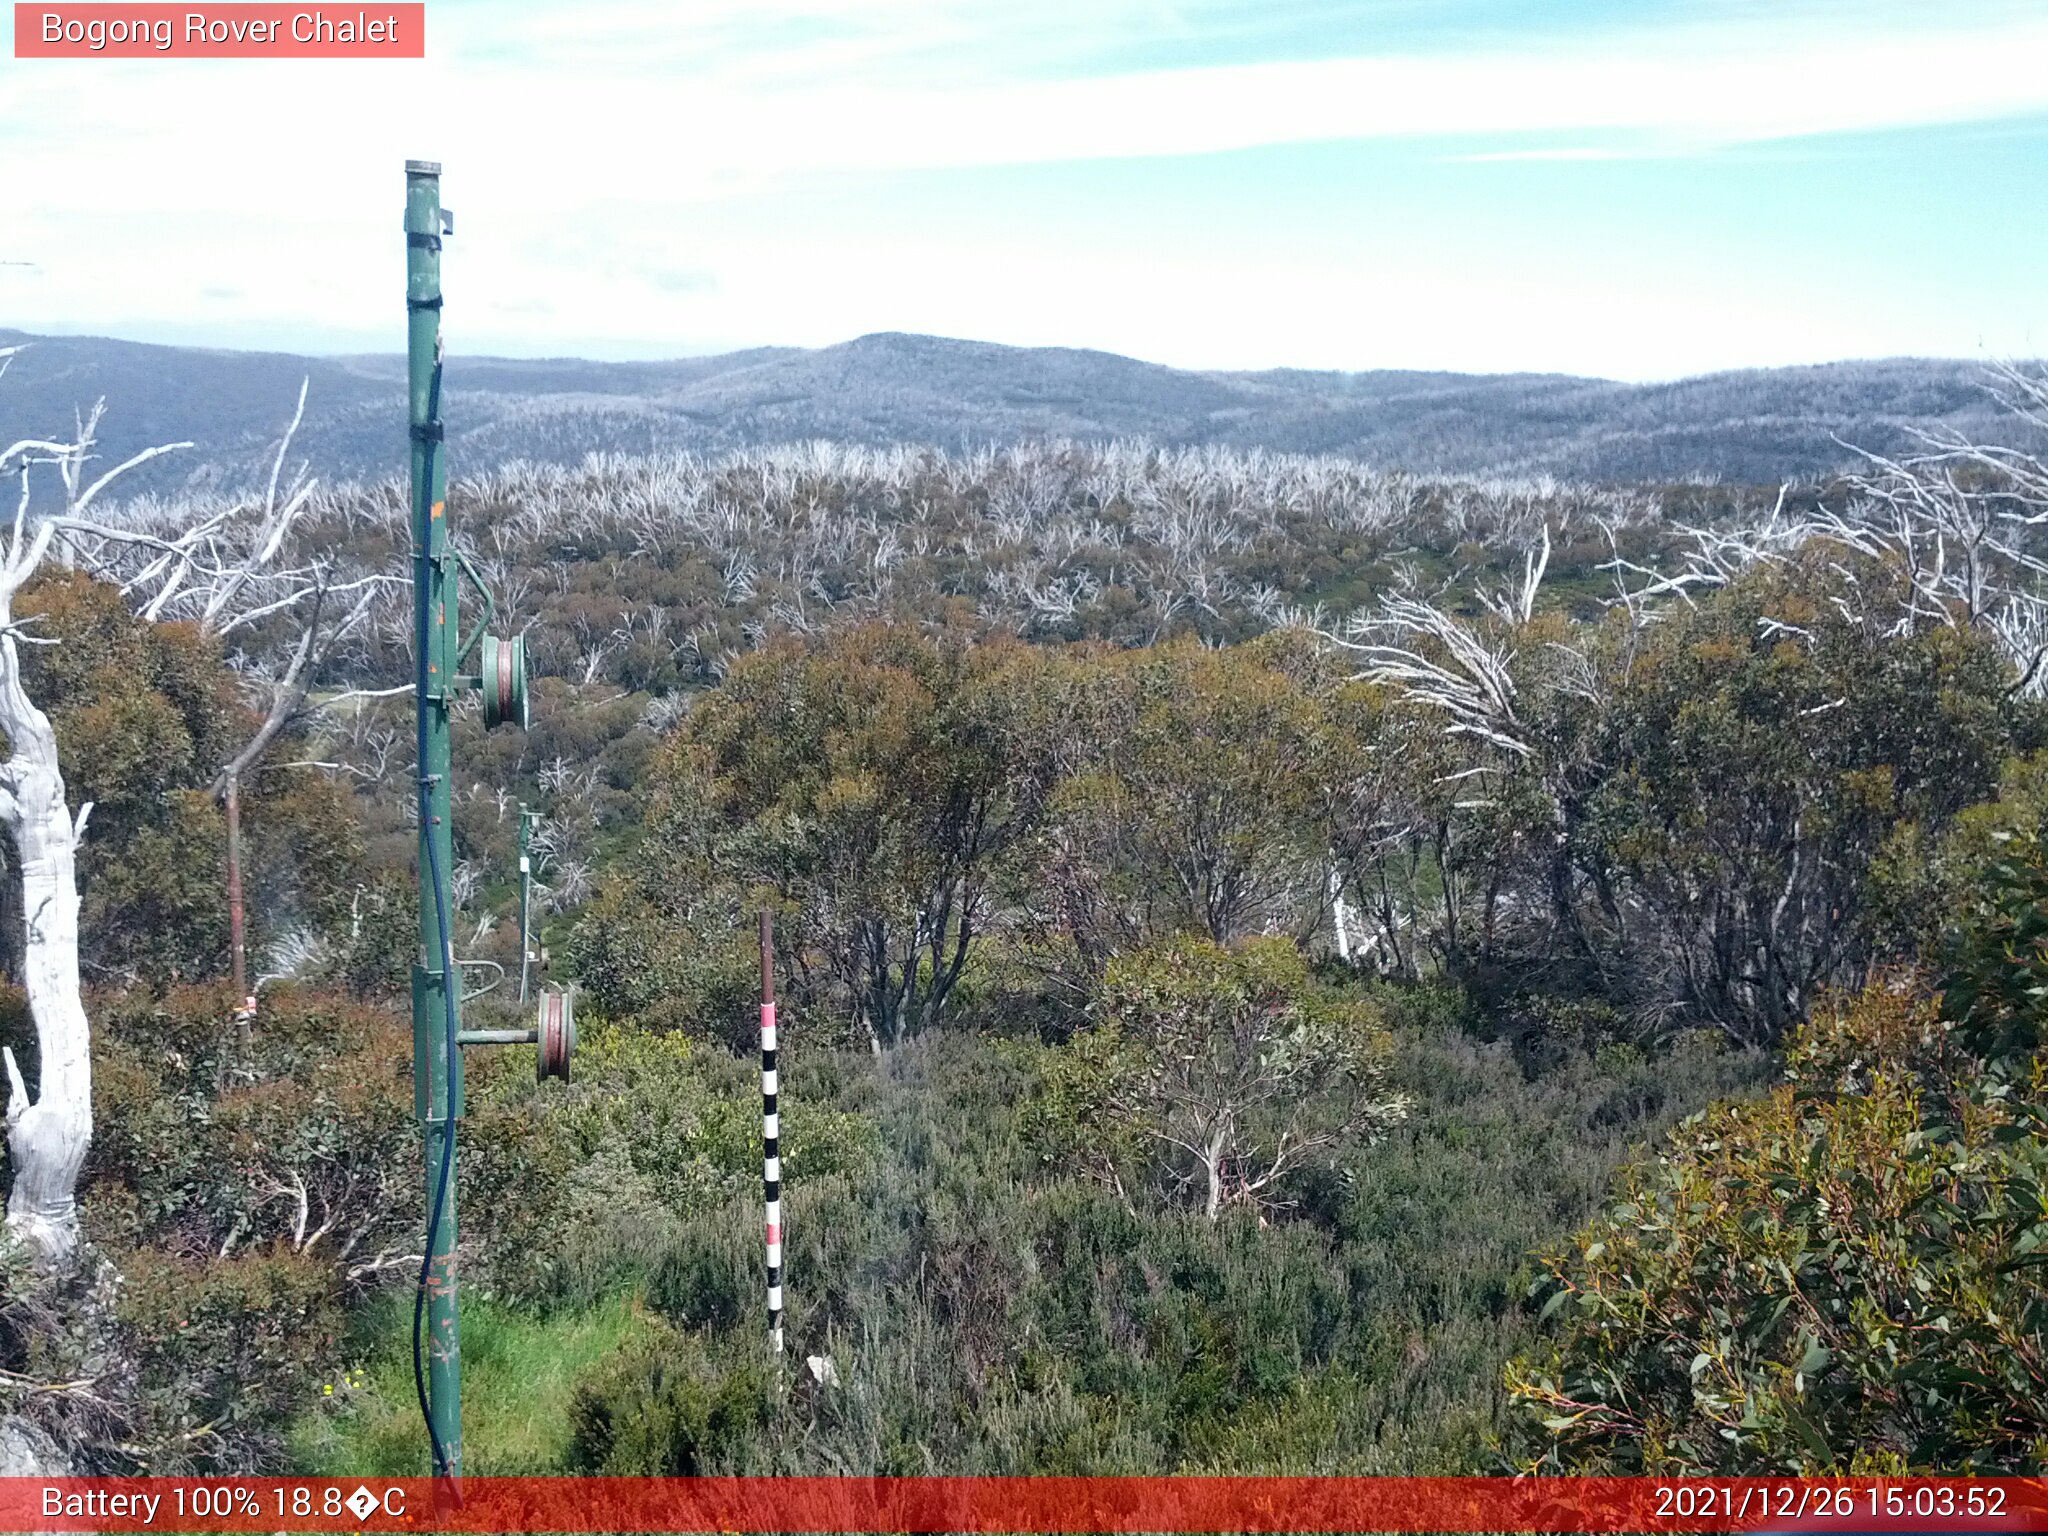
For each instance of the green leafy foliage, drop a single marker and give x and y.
(1765, 749)
(305, 1137)
(1844, 1274)
(1196, 795)
(583, 1188)
(146, 714)
(237, 1200)
(662, 1410)
(865, 785)
(226, 1349)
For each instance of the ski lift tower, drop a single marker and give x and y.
(441, 652)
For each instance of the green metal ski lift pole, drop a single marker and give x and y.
(436, 980)
(440, 651)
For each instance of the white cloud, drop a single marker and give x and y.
(589, 149)
(627, 121)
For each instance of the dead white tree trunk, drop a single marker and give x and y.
(1340, 915)
(46, 1136)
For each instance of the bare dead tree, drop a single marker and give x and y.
(1431, 656)
(206, 567)
(237, 567)
(1960, 523)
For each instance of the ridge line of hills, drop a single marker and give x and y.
(1754, 426)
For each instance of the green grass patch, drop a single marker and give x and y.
(518, 1373)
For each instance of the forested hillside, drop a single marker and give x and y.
(1758, 427)
(1284, 967)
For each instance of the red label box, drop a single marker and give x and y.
(237, 31)
(508, 1506)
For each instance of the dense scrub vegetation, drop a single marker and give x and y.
(1845, 1274)
(146, 715)
(656, 574)
(1208, 1021)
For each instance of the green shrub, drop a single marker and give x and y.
(145, 715)
(663, 974)
(663, 1409)
(576, 1188)
(227, 1350)
(712, 1272)
(380, 938)
(246, 1194)
(1842, 1276)
(306, 1137)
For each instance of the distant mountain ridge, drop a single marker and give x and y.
(1755, 427)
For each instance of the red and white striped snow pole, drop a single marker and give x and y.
(771, 1134)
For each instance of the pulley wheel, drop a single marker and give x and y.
(501, 667)
(557, 1035)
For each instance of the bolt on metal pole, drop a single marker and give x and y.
(436, 984)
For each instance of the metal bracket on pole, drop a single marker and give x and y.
(463, 565)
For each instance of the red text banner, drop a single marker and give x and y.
(1048, 1504)
(234, 31)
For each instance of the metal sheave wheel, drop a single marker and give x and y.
(502, 677)
(557, 1035)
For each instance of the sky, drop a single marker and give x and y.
(1642, 190)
